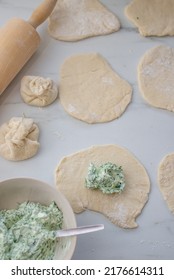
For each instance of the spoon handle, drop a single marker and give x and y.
(79, 230)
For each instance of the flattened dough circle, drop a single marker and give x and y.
(155, 76)
(166, 180)
(152, 17)
(121, 209)
(91, 91)
(73, 20)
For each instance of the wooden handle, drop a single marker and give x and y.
(42, 13)
(19, 40)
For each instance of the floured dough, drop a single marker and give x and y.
(38, 91)
(18, 139)
(73, 20)
(166, 180)
(152, 17)
(91, 91)
(121, 208)
(155, 76)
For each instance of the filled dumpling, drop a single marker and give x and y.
(38, 91)
(19, 139)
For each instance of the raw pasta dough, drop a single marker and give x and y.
(155, 75)
(73, 20)
(18, 139)
(166, 180)
(38, 91)
(152, 17)
(123, 208)
(91, 91)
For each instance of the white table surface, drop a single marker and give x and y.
(147, 132)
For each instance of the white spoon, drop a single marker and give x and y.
(78, 230)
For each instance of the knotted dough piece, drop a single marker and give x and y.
(38, 91)
(18, 139)
(91, 91)
(166, 180)
(121, 208)
(155, 76)
(73, 20)
(152, 17)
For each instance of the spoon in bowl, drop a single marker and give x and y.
(79, 230)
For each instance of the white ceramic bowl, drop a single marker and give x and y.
(18, 190)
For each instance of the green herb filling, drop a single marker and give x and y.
(108, 178)
(28, 232)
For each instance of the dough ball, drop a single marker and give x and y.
(155, 76)
(18, 139)
(152, 17)
(166, 180)
(73, 20)
(38, 91)
(122, 208)
(91, 91)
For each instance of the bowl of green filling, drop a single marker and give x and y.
(31, 212)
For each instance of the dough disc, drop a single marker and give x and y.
(152, 17)
(91, 91)
(155, 75)
(121, 209)
(73, 20)
(166, 180)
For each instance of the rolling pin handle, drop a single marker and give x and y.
(42, 13)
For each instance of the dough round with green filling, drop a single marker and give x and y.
(122, 208)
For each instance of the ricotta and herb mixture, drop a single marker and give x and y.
(28, 232)
(108, 178)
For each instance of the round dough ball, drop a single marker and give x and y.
(152, 17)
(122, 208)
(38, 91)
(166, 180)
(155, 76)
(91, 91)
(73, 20)
(18, 139)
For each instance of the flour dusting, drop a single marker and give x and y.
(73, 20)
(156, 72)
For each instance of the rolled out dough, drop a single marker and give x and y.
(155, 76)
(73, 20)
(166, 180)
(152, 17)
(91, 91)
(122, 209)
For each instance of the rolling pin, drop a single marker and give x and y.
(18, 42)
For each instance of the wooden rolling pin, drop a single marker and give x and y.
(18, 42)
